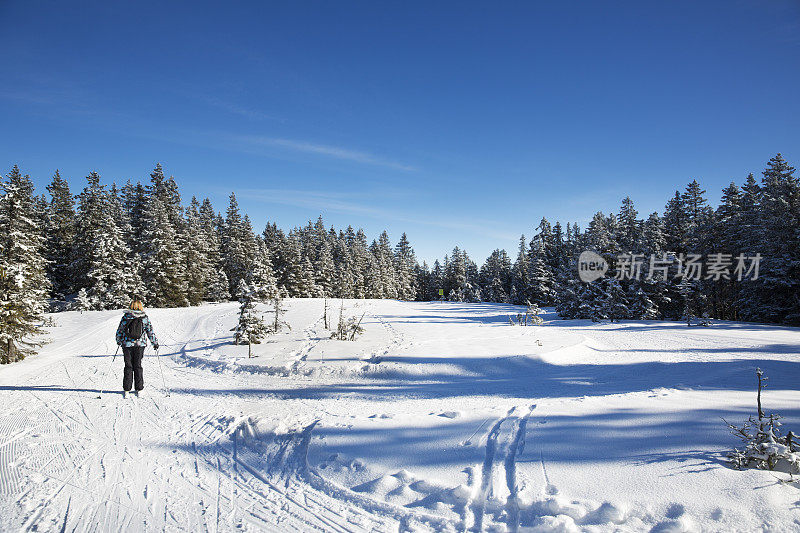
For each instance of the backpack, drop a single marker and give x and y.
(135, 328)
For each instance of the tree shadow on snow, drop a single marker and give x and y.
(522, 377)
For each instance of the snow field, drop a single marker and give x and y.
(440, 417)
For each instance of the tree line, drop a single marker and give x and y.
(98, 249)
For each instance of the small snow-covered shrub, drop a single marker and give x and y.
(765, 448)
(278, 310)
(347, 329)
(531, 316)
(764, 445)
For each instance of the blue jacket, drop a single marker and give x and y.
(122, 337)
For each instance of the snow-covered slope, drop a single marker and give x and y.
(441, 416)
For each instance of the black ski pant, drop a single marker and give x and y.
(133, 367)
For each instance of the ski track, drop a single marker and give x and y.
(198, 460)
(396, 340)
(198, 480)
(505, 441)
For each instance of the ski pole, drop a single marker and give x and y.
(163, 382)
(109, 366)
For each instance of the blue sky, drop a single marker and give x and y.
(460, 123)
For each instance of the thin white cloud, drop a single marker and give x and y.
(324, 150)
(333, 201)
(236, 109)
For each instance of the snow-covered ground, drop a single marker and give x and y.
(441, 416)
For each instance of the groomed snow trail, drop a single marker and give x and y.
(150, 463)
(441, 417)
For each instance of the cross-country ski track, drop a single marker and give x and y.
(441, 417)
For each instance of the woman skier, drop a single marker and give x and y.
(131, 336)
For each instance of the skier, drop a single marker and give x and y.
(131, 336)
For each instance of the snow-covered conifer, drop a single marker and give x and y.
(250, 328)
(60, 237)
(238, 244)
(23, 281)
(108, 275)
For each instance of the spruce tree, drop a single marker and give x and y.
(521, 279)
(250, 328)
(217, 288)
(197, 271)
(699, 218)
(261, 279)
(108, 277)
(422, 275)
(778, 292)
(405, 263)
(388, 277)
(362, 259)
(238, 244)
(60, 237)
(676, 225)
(455, 276)
(324, 268)
(306, 288)
(163, 263)
(630, 227)
(23, 281)
(541, 286)
(437, 281)
(496, 277)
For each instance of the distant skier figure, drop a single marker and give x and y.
(131, 336)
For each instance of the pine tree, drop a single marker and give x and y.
(653, 235)
(455, 276)
(630, 227)
(676, 225)
(197, 272)
(727, 235)
(656, 287)
(641, 307)
(306, 288)
(472, 287)
(261, 279)
(108, 277)
(699, 218)
(324, 268)
(60, 237)
(423, 282)
(362, 262)
(134, 201)
(163, 264)
(217, 288)
(373, 281)
(345, 271)
(752, 236)
(541, 285)
(405, 263)
(238, 244)
(251, 328)
(23, 281)
(778, 292)
(521, 275)
(496, 277)
(615, 301)
(437, 281)
(382, 251)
